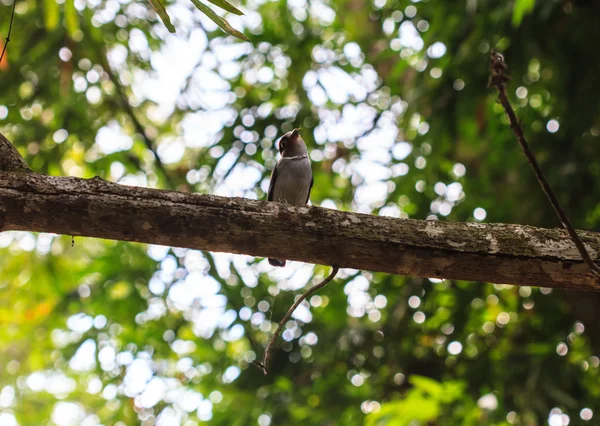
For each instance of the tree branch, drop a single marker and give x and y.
(139, 128)
(123, 102)
(498, 79)
(264, 365)
(495, 253)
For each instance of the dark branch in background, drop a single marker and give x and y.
(498, 80)
(139, 128)
(371, 129)
(264, 365)
(188, 80)
(12, 17)
(123, 102)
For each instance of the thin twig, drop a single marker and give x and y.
(264, 365)
(12, 17)
(498, 80)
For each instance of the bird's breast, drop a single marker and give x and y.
(293, 181)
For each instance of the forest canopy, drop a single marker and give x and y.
(393, 102)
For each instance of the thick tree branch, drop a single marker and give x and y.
(495, 253)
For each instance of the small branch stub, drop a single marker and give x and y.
(10, 159)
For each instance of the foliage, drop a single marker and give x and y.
(522, 7)
(427, 401)
(392, 99)
(160, 9)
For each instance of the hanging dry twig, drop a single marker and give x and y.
(264, 365)
(498, 79)
(12, 17)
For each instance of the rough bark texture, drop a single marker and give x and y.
(497, 253)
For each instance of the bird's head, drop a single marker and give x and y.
(291, 144)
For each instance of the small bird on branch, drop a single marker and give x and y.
(291, 180)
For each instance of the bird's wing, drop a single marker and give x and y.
(312, 180)
(272, 184)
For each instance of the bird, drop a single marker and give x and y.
(291, 179)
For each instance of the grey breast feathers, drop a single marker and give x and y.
(294, 178)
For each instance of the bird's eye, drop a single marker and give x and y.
(282, 144)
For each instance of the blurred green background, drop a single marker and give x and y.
(392, 99)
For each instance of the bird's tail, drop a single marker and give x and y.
(276, 262)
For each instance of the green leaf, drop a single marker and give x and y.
(227, 6)
(162, 12)
(427, 385)
(51, 14)
(413, 408)
(416, 407)
(522, 8)
(452, 391)
(120, 290)
(71, 17)
(219, 21)
(539, 348)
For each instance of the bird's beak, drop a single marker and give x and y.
(295, 133)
